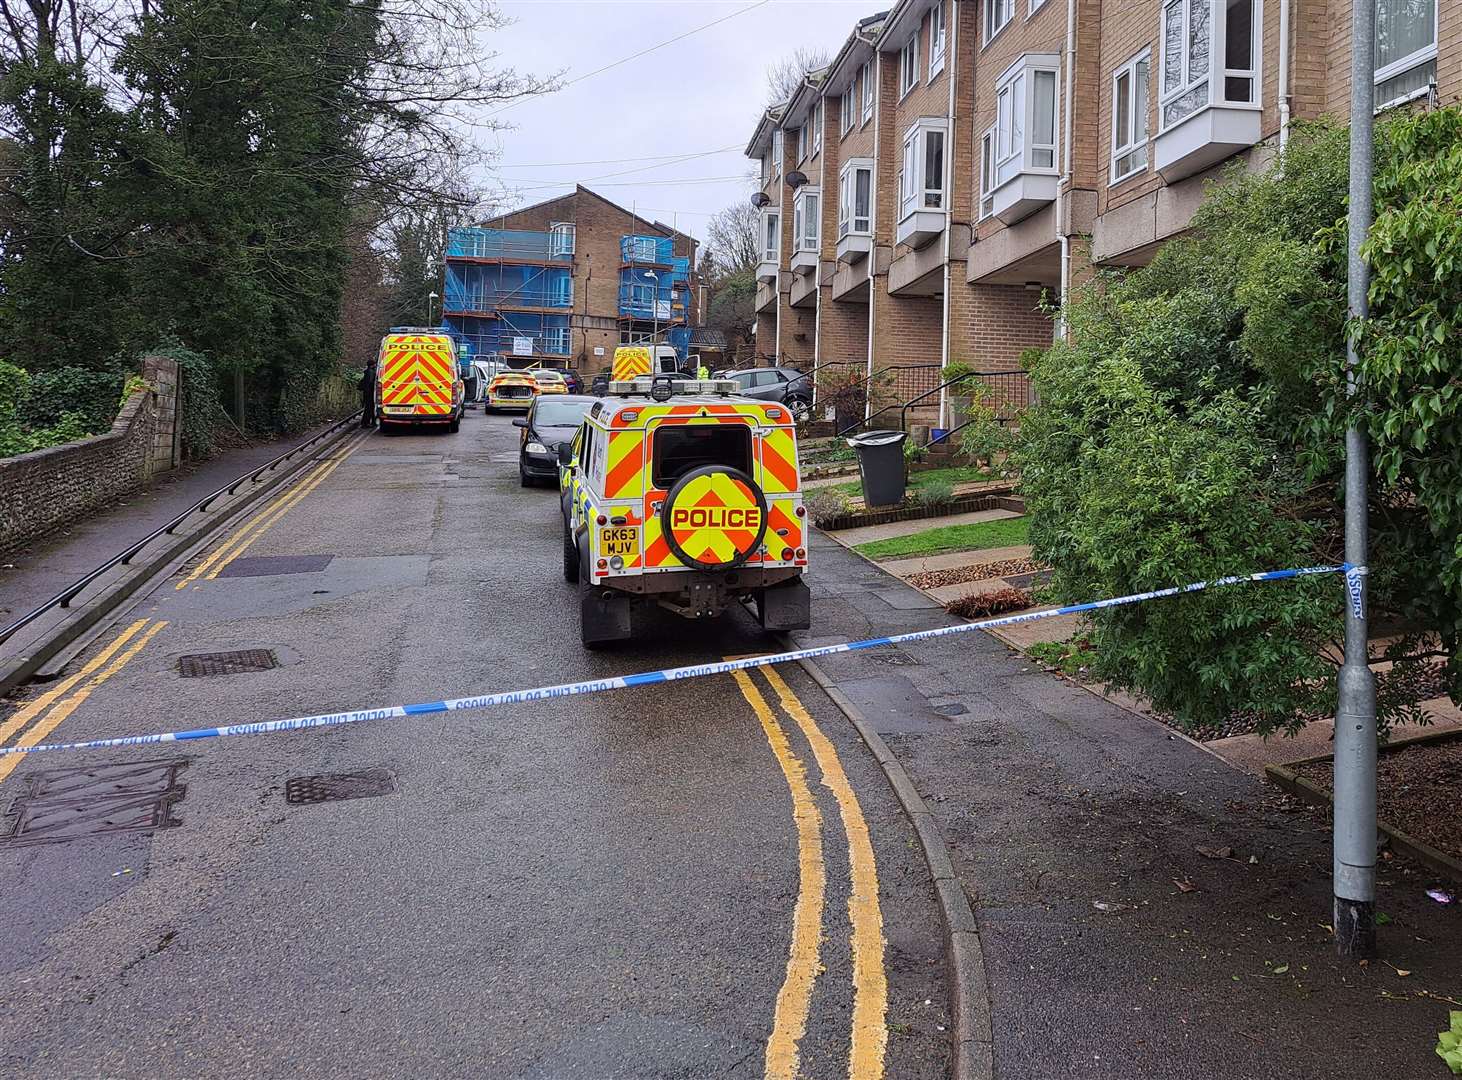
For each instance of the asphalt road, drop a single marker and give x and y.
(705, 878)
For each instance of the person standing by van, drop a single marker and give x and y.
(368, 396)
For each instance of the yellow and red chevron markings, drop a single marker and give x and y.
(417, 370)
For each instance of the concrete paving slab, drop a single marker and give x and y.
(1252, 752)
(952, 560)
(865, 533)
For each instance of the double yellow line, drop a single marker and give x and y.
(242, 540)
(46, 712)
(869, 1036)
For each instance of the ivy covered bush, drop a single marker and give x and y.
(1193, 426)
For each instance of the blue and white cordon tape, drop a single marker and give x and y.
(1354, 589)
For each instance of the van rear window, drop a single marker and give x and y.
(683, 448)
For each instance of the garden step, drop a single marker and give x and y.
(864, 533)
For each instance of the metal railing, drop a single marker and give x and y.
(1008, 396)
(63, 598)
(893, 374)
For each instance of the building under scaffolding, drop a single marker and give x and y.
(562, 283)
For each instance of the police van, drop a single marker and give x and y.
(679, 494)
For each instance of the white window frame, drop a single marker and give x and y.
(992, 22)
(1137, 90)
(770, 235)
(778, 150)
(987, 174)
(867, 92)
(1215, 75)
(1015, 148)
(848, 109)
(850, 223)
(802, 144)
(816, 122)
(561, 238)
(915, 189)
(1427, 54)
(938, 39)
(1035, 6)
(909, 66)
(807, 227)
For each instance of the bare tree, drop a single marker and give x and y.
(732, 240)
(787, 74)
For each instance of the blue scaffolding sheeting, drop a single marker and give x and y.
(466, 242)
(478, 288)
(514, 336)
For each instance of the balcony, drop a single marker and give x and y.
(1205, 138)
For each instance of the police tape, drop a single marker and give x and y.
(1354, 576)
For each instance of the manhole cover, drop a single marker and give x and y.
(200, 665)
(65, 804)
(333, 787)
(270, 565)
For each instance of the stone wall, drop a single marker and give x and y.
(47, 489)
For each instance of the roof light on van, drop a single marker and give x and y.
(630, 416)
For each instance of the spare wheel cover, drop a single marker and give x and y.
(714, 518)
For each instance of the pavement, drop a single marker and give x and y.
(1144, 909)
(701, 878)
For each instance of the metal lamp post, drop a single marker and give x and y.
(431, 298)
(654, 306)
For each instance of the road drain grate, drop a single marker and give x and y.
(65, 804)
(201, 665)
(333, 787)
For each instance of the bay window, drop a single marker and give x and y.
(867, 91)
(937, 39)
(806, 219)
(998, 14)
(1129, 117)
(1209, 56)
(921, 180)
(1406, 49)
(909, 65)
(770, 236)
(1018, 154)
(855, 197)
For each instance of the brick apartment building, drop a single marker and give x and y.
(563, 282)
(959, 159)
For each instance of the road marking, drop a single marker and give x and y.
(26, 713)
(235, 545)
(64, 708)
(870, 981)
(794, 999)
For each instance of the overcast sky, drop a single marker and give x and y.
(701, 94)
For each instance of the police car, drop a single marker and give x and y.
(680, 494)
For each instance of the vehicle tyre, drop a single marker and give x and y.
(455, 426)
(524, 480)
(601, 621)
(799, 407)
(570, 555)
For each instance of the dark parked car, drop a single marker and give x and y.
(784, 384)
(552, 419)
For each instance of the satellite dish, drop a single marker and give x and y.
(760, 199)
(796, 178)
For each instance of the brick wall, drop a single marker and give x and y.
(47, 489)
(990, 325)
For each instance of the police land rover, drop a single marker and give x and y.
(678, 493)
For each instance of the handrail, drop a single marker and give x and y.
(868, 381)
(65, 596)
(905, 406)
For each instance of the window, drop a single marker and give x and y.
(1406, 49)
(937, 39)
(817, 128)
(806, 219)
(909, 65)
(855, 198)
(802, 134)
(561, 238)
(556, 339)
(1129, 117)
(987, 174)
(766, 168)
(921, 180)
(1203, 63)
(1025, 118)
(678, 450)
(997, 14)
(771, 236)
(867, 92)
(1036, 5)
(777, 154)
(848, 108)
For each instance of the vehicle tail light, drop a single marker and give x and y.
(602, 520)
(603, 564)
(802, 553)
(787, 554)
(801, 511)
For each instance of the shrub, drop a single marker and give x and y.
(202, 405)
(934, 493)
(986, 605)
(90, 394)
(825, 504)
(1192, 426)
